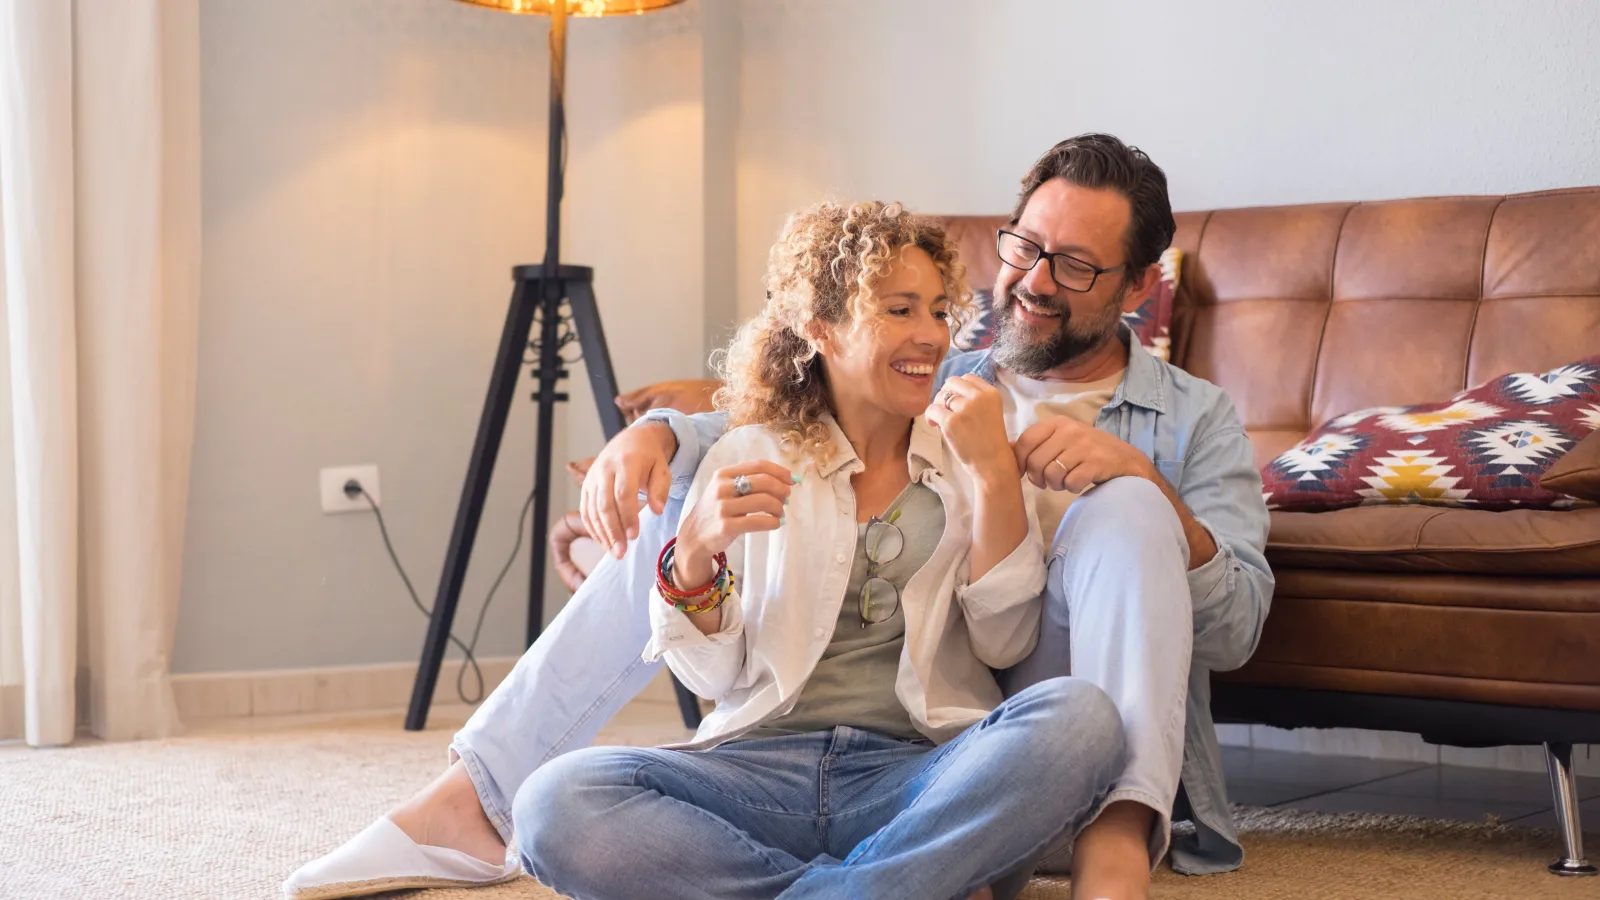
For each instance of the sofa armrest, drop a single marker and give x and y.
(687, 395)
(1577, 473)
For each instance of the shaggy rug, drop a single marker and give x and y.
(224, 816)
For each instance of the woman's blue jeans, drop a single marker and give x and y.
(832, 814)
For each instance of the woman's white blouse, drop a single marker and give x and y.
(792, 581)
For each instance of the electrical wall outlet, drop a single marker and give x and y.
(332, 481)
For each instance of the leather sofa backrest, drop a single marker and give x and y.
(1305, 312)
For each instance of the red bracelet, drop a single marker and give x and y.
(676, 595)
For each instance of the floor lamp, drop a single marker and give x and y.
(539, 293)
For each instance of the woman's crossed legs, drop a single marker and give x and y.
(828, 814)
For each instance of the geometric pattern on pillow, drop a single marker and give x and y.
(1151, 323)
(1484, 448)
(977, 330)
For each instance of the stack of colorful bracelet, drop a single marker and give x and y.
(698, 600)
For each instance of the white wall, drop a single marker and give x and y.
(372, 170)
(1243, 102)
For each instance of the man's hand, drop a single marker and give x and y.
(690, 395)
(1061, 454)
(638, 458)
(969, 413)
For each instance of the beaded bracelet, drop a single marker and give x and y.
(703, 599)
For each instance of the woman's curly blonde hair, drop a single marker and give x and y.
(822, 272)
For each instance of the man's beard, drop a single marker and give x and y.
(1017, 350)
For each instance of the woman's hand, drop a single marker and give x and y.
(970, 415)
(967, 410)
(721, 515)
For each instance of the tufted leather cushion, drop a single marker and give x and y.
(1303, 313)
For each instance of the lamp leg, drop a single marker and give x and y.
(549, 374)
(485, 448)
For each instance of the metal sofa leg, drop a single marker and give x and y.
(1558, 757)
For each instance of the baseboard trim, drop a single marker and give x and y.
(1399, 746)
(282, 692)
(331, 689)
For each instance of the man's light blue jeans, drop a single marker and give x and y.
(840, 813)
(1117, 613)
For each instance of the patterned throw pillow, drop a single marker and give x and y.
(1151, 322)
(1484, 448)
(977, 331)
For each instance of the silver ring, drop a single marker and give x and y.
(741, 485)
(1058, 462)
(944, 399)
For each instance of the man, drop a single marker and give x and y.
(1156, 576)
(1161, 561)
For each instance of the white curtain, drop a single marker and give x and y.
(99, 283)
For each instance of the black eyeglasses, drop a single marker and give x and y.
(1070, 272)
(879, 598)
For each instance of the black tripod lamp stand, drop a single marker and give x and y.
(539, 295)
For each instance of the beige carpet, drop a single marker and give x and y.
(224, 816)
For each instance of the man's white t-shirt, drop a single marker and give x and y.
(1029, 400)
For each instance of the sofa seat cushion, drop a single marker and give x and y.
(1439, 539)
(1516, 640)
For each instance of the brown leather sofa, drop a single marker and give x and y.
(1468, 627)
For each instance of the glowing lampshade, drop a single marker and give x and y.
(587, 8)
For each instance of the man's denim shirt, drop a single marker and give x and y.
(1188, 427)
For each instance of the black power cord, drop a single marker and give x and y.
(353, 489)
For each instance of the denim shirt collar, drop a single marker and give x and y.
(1143, 383)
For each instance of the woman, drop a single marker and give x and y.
(845, 575)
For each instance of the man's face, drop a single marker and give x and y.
(1040, 325)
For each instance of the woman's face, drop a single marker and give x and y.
(887, 359)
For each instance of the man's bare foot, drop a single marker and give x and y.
(982, 894)
(447, 814)
(1111, 857)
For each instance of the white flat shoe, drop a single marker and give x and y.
(383, 858)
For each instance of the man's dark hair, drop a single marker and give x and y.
(1103, 161)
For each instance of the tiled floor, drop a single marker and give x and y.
(1350, 784)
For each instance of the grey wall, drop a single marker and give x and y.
(372, 170)
(944, 104)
